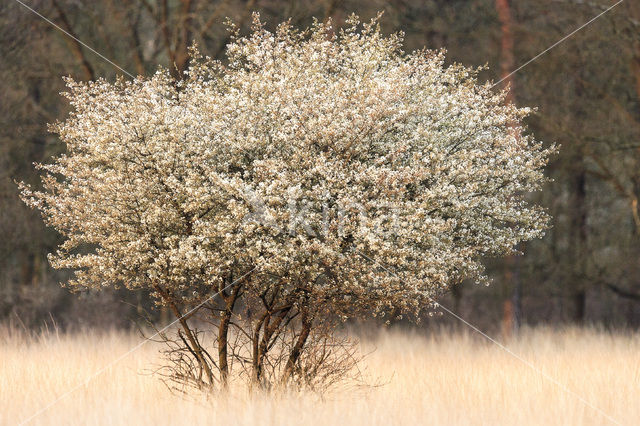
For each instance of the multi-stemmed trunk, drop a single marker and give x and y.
(192, 340)
(296, 351)
(223, 335)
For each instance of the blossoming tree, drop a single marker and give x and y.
(314, 175)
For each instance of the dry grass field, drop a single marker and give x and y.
(440, 379)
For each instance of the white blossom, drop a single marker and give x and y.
(333, 160)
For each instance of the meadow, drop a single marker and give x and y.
(436, 378)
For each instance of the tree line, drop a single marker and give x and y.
(586, 91)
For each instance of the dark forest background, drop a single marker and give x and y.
(586, 90)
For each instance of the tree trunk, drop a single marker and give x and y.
(456, 292)
(204, 365)
(579, 306)
(181, 53)
(255, 356)
(511, 306)
(296, 351)
(28, 269)
(507, 326)
(197, 349)
(507, 62)
(269, 330)
(517, 296)
(579, 290)
(223, 332)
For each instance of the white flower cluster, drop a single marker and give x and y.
(307, 155)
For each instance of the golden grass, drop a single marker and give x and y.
(440, 379)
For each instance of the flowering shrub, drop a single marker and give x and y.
(338, 173)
